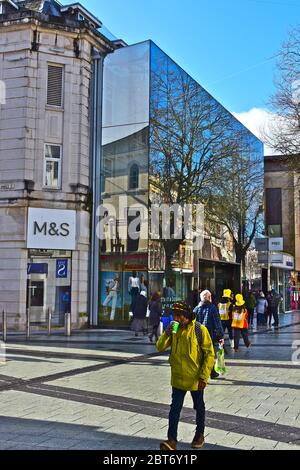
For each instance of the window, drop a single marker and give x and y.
(55, 86)
(275, 231)
(274, 206)
(108, 167)
(134, 177)
(52, 168)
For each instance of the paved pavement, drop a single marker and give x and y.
(107, 390)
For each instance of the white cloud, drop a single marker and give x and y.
(260, 122)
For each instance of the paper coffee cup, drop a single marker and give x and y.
(175, 326)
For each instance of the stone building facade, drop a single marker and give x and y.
(282, 221)
(46, 71)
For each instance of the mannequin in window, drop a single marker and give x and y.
(112, 289)
(134, 286)
(144, 284)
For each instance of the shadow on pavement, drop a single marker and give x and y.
(28, 434)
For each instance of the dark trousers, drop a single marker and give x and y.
(250, 315)
(261, 319)
(176, 407)
(237, 335)
(274, 312)
(154, 332)
(227, 325)
(134, 293)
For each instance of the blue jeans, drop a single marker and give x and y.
(176, 407)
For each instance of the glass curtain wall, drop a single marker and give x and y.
(166, 141)
(197, 149)
(124, 185)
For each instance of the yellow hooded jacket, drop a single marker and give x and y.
(189, 362)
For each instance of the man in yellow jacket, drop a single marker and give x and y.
(192, 358)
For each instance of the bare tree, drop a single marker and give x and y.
(237, 200)
(192, 140)
(284, 132)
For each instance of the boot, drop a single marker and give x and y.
(170, 444)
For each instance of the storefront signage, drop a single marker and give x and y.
(262, 244)
(277, 258)
(263, 258)
(37, 268)
(283, 261)
(51, 229)
(276, 244)
(61, 268)
(269, 244)
(7, 187)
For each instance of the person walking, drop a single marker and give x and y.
(225, 311)
(274, 302)
(250, 300)
(139, 310)
(208, 315)
(240, 322)
(261, 309)
(191, 359)
(155, 315)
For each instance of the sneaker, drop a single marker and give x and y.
(150, 339)
(168, 445)
(249, 345)
(198, 441)
(236, 350)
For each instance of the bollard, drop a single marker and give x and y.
(4, 325)
(27, 323)
(49, 321)
(68, 324)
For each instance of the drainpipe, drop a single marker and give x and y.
(95, 182)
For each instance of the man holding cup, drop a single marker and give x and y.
(192, 358)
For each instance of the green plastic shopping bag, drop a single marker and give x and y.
(220, 362)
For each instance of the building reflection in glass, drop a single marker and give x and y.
(164, 140)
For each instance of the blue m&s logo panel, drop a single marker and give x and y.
(61, 268)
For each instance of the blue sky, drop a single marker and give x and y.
(228, 46)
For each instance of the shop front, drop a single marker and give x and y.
(145, 95)
(281, 279)
(219, 275)
(51, 241)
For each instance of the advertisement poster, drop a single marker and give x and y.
(115, 296)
